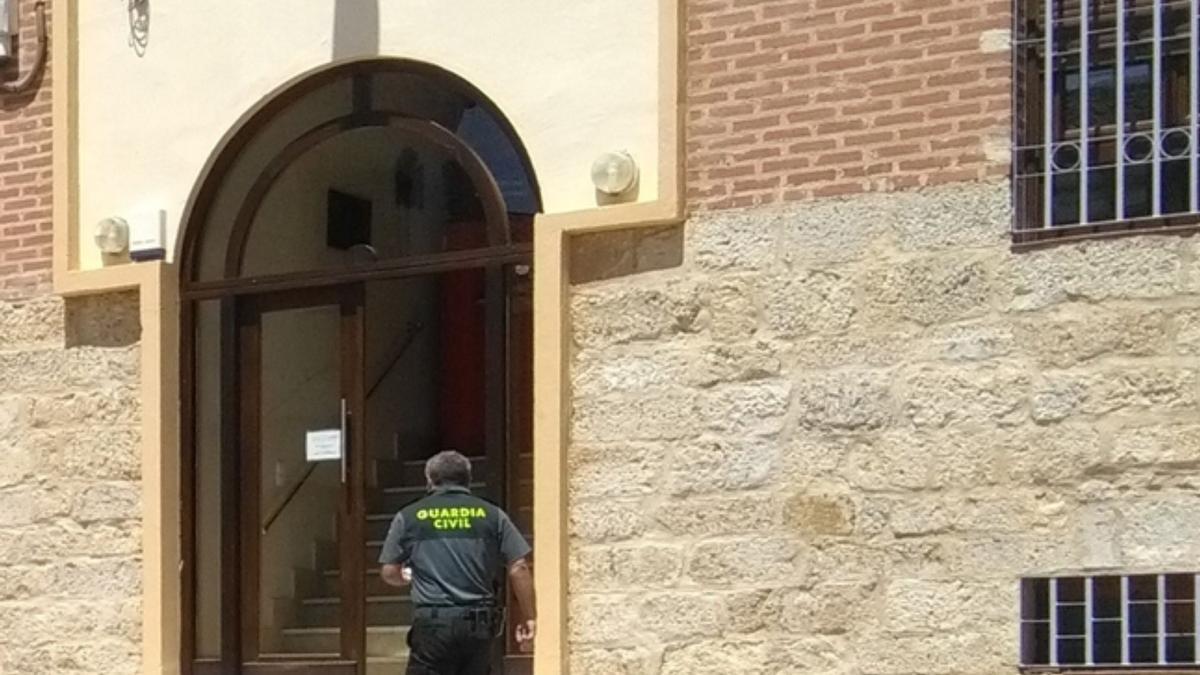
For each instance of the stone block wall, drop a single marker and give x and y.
(834, 439)
(70, 490)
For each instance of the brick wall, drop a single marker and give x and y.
(798, 99)
(25, 176)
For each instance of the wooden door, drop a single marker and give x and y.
(302, 478)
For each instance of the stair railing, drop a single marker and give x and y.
(405, 342)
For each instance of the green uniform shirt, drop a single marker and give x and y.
(456, 544)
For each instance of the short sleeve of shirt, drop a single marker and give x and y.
(512, 544)
(394, 552)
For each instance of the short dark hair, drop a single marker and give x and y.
(448, 468)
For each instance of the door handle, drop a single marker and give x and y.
(345, 441)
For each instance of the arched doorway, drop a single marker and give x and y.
(356, 280)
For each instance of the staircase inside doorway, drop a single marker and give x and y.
(411, 380)
(315, 608)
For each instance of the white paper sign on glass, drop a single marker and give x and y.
(323, 446)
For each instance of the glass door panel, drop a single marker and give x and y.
(302, 549)
(300, 480)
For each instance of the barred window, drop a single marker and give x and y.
(1105, 117)
(1134, 621)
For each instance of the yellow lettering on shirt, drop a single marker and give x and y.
(452, 518)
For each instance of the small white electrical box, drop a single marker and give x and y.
(147, 235)
(8, 29)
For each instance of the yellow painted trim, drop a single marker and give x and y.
(64, 116)
(161, 554)
(158, 304)
(672, 93)
(552, 344)
(551, 409)
(105, 280)
(157, 284)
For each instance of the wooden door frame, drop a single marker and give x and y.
(231, 520)
(516, 663)
(228, 286)
(351, 507)
(251, 125)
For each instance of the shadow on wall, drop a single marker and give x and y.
(110, 320)
(139, 25)
(355, 28)
(599, 256)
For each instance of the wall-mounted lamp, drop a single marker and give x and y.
(614, 173)
(143, 234)
(112, 236)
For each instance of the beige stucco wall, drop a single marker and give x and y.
(70, 490)
(834, 439)
(148, 119)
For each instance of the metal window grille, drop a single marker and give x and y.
(1105, 118)
(1135, 621)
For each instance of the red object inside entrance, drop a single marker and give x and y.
(463, 331)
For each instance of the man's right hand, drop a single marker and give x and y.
(521, 579)
(525, 633)
(396, 575)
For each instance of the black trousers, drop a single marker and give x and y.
(452, 640)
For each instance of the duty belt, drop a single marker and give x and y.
(479, 615)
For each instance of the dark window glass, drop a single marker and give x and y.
(1181, 649)
(1070, 620)
(1143, 650)
(1102, 194)
(1035, 600)
(1070, 651)
(1137, 191)
(1143, 619)
(1102, 87)
(1181, 617)
(1144, 587)
(1070, 590)
(1175, 195)
(1106, 642)
(1066, 198)
(1035, 643)
(1181, 586)
(1106, 597)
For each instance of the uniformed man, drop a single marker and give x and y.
(451, 547)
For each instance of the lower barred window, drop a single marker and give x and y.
(1109, 621)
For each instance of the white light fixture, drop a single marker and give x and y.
(112, 235)
(614, 173)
